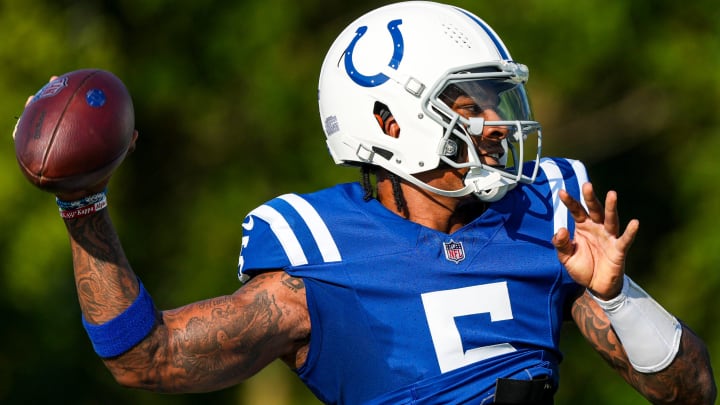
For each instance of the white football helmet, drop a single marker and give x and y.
(408, 57)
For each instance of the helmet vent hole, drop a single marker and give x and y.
(456, 35)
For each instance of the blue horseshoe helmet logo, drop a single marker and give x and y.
(378, 79)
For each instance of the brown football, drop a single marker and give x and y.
(75, 131)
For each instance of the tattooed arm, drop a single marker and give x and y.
(673, 363)
(203, 346)
(688, 379)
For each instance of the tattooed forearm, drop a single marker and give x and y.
(104, 281)
(689, 376)
(203, 346)
(599, 334)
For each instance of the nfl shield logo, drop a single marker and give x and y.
(52, 88)
(454, 251)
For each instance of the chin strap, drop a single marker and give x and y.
(486, 185)
(494, 194)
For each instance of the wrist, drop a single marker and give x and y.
(87, 205)
(611, 290)
(80, 194)
(610, 302)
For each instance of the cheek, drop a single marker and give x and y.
(462, 155)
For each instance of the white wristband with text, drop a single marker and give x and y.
(649, 334)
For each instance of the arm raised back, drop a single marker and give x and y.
(203, 346)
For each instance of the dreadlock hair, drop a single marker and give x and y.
(365, 171)
(366, 182)
(382, 114)
(398, 194)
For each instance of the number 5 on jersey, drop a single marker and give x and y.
(441, 309)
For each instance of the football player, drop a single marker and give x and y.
(443, 276)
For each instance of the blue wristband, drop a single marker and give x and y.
(123, 332)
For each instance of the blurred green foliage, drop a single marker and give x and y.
(225, 98)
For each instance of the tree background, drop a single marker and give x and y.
(225, 100)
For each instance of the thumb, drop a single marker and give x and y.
(564, 245)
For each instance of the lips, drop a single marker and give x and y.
(491, 155)
(491, 160)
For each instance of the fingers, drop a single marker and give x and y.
(602, 214)
(133, 142)
(29, 99)
(595, 208)
(628, 237)
(612, 219)
(563, 244)
(576, 209)
(606, 215)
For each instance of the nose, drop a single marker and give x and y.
(493, 132)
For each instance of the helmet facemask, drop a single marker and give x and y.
(501, 111)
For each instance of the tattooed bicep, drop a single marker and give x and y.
(261, 280)
(293, 283)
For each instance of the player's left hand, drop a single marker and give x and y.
(595, 256)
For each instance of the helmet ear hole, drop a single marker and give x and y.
(385, 119)
(381, 112)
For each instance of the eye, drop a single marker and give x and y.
(469, 110)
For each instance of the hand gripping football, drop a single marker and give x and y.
(75, 131)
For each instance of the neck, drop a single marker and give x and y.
(444, 214)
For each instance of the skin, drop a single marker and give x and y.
(219, 342)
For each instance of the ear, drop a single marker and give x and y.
(388, 124)
(392, 128)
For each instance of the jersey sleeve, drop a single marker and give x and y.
(568, 175)
(261, 250)
(284, 233)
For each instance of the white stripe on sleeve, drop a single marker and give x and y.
(582, 177)
(556, 183)
(320, 232)
(283, 232)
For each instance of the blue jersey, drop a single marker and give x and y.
(401, 313)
